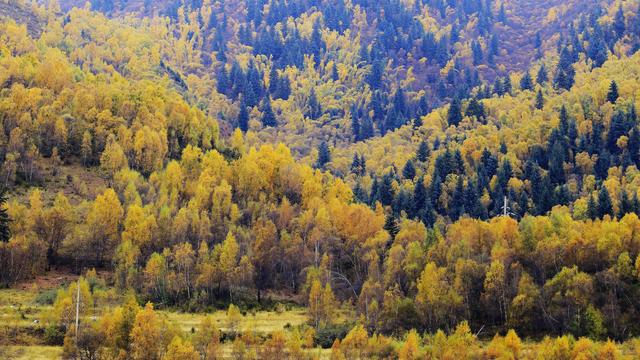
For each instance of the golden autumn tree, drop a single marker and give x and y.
(146, 337)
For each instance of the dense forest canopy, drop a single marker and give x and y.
(423, 166)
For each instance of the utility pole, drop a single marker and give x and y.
(77, 310)
(506, 211)
(505, 208)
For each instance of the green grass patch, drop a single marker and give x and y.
(262, 322)
(30, 352)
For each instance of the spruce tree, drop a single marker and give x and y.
(418, 202)
(243, 117)
(375, 77)
(502, 14)
(273, 80)
(592, 208)
(539, 100)
(423, 151)
(506, 85)
(542, 77)
(5, 232)
(391, 226)
(409, 171)
(355, 164)
(222, 85)
(315, 110)
(626, 204)
(619, 22)
(366, 128)
(363, 165)
(355, 127)
(359, 193)
(477, 54)
(423, 106)
(456, 206)
(526, 83)
(284, 88)
(454, 116)
(324, 155)
(597, 49)
(605, 206)
(565, 72)
(386, 193)
(612, 95)
(475, 109)
(317, 44)
(268, 117)
(417, 123)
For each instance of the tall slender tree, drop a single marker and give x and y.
(612, 95)
(5, 232)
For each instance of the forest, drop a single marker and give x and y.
(321, 179)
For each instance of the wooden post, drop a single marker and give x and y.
(77, 310)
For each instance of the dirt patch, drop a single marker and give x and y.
(54, 279)
(51, 280)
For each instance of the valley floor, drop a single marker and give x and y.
(25, 312)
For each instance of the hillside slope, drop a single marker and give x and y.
(23, 14)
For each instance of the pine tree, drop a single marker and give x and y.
(363, 165)
(366, 129)
(475, 109)
(565, 72)
(537, 41)
(592, 208)
(456, 206)
(523, 203)
(498, 88)
(324, 155)
(317, 44)
(375, 77)
(423, 106)
(222, 85)
(268, 117)
(612, 95)
(355, 127)
(454, 116)
(5, 232)
(605, 206)
(386, 194)
(355, 164)
(539, 100)
(477, 54)
(597, 49)
(243, 117)
(502, 14)
(417, 123)
(506, 85)
(423, 151)
(542, 77)
(315, 110)
(526, 83)
(391, 226)
(556, 163)
(359, 193)
(334, 72)
(419, 199)
(284, 88)
(626, 204)
(619, 23)
(273, 80)
(409, 171)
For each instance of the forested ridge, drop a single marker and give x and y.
(418, 175)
